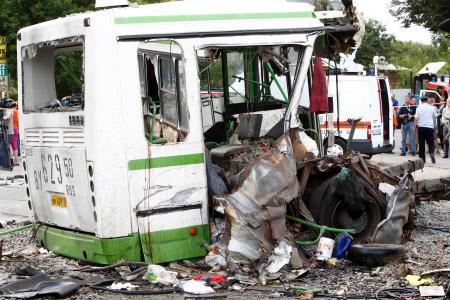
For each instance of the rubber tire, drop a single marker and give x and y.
(376, 254)
(322, 205)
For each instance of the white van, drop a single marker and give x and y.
(365, 97)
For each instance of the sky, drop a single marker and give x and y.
(379, 10)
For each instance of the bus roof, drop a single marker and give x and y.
(191, 18)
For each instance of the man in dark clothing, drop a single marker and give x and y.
(406, 118)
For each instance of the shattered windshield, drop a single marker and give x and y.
(53, 76)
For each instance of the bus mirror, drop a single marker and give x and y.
(330, 105)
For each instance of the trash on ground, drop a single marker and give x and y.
(415, 280)
(210, 278)
(157, 274)
(432, 291)
(123, 286)
(280, 257)
(325, 248)
(195, 287)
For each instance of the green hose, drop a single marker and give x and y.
(21, 228)
(322, 230)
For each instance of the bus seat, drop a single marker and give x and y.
(226, 151)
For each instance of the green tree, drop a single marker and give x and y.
(16, 14)
(427, 13)
(376, 41)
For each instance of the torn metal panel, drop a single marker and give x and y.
(256, 209)
(401, 169)
(390, 230)
(435, 188)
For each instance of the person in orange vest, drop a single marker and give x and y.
(395, 109)
(15, 139)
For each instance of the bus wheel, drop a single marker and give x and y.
(328, 208)
(338, 149)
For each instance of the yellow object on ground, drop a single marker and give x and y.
(417, 280)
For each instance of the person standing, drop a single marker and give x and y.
(446, 129)
(395, 110)
(15, 139)
(8, 117)
(441, 124)
(406, 117)
(425, 119)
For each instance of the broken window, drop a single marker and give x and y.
(53, 76)
(162, 78)
(238, 80)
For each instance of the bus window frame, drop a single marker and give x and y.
(64, 45)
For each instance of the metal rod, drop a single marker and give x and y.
(21, 228)
(272, 74)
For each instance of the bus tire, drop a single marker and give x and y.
(376, 254)
(327, 209)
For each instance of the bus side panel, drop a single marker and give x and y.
(105, 137)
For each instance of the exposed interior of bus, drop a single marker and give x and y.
(241, 89)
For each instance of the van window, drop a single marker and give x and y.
(53, 76)
(163, 89)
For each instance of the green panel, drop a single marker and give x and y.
(175, 244)
(216, 17)
(167, 161)
(87, 247)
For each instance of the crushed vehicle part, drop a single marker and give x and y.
(40, 285)
(407, 167)
(376, 254)
(398, 293)
(390, 230)
(256, 209)
(436, 189)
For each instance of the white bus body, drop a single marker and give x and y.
(98, 190)
(365, 97)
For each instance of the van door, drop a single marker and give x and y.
(375, 127)
(386, 108)
(167, 173)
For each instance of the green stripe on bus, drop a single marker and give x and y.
(167, 161)
(217, 17)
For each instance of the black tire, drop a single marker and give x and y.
(327, 210)
(376, 254)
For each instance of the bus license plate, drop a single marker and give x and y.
(59, 201)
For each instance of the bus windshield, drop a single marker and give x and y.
(53, 76)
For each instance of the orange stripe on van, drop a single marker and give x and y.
(347, 124)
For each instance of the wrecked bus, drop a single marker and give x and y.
(118, 112)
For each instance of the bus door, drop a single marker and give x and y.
(167, 173)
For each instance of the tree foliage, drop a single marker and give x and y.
(426, 13)
(402, 54)
(16, 14)
(376, 41)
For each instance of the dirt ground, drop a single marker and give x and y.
(427, 249)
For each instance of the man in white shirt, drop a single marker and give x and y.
(425, 119)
